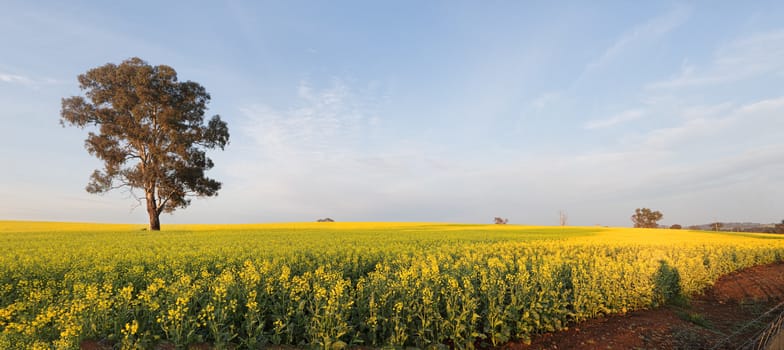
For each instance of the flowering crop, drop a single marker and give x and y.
(333, 285)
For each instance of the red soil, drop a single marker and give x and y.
(725, 316)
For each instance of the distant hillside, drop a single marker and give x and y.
(740, 227)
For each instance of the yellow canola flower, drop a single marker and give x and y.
(388, 278)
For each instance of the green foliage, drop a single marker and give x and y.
(646, 218)
(695, 318)
(667, 283)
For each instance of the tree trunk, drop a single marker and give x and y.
(152, 210)
(155, 222)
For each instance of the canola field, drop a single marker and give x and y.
(337, 285)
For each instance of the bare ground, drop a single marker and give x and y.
(728, 315)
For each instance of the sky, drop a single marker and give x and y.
(438, 111)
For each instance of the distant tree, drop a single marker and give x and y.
(779, 228)
(676, 227)
(149, 132)
(563, 217)
(646, 218)
(500, 221)
(325, 220)
(717, 226)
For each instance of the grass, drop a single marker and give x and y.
(695, 318)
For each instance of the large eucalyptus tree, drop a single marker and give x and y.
(149, 130)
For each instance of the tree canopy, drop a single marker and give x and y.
(149, 130)
(646, 218)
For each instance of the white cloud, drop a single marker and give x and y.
(773, 105)
(544, 100)
(693, 129)
(327, 122)
(620, 118)
(313, 161)
(647, 31)
(320, 158)
(714, 152)
(15, 79)
(698, 112)
(745, 58)
(713, 125)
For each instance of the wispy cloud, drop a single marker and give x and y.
(769, 106)
(10, 78)
(325, 123)
(620, 118)
(713, 152)
(312, 161)
(690, 130)
(706, 111)
(542, 101)
(748, 57)
(747, 122)
(316, 158)
(15, 79)
(644, 32)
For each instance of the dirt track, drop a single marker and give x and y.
(724, 317)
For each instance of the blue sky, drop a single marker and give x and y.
(421, 110)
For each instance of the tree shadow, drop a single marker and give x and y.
(667, 284)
